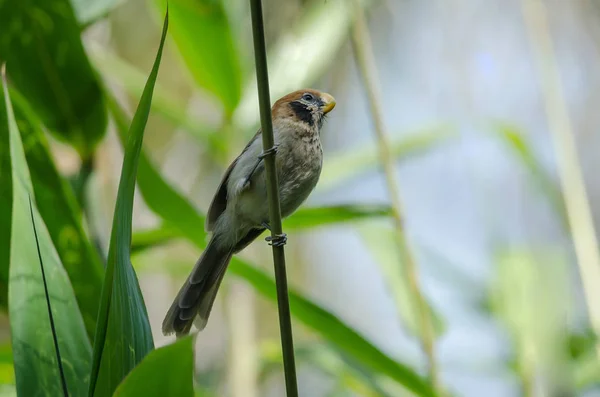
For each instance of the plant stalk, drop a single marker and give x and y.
(571, 177)
(262, 77)
(365, 61)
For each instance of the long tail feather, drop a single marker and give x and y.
(197, 295)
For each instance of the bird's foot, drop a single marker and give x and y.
(277, 240)
(269, 151)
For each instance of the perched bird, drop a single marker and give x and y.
(239, 211)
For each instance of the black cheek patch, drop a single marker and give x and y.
(302, 112)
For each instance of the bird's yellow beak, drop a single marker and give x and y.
(328, 103)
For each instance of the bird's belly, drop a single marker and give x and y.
(293, 191)
(295, 185)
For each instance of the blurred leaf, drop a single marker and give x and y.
(582, 343)
(144, 239)
(7, 370)
(381, 243)
(335, 331)
(202, 34)
(46, 62)
(165, 102)
(179, 214)
(304, 218)
(523, 151)
(338, 169)
(32, 343)
(324, 358)
(5, 202)
(586, 371)
(311, 217)
(61, 214)
(168, 371)
(123, 336)
(530, 297)
(89, 11)
(301, 55)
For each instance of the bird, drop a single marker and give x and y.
(239, 211)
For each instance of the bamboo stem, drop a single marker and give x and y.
(366, 65)
(571, 177)
(262, 77)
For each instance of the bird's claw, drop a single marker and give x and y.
(277, 240)
(271, 150)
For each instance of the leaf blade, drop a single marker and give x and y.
(123, 335)
(33, 350)
(167, 371)
(59, 209)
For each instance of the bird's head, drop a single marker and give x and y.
(305, 108)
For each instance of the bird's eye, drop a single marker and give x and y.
(308, 97)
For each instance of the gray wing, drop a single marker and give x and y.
(219, 201)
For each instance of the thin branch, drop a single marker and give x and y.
(262, 77)
(363, 52)
(571, 177)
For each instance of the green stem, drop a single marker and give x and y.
(366, 65)
(262, 77)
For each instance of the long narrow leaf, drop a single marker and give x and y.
(304, 218)
(179, 214)
(5, 203)
(123, 336)
(311, 217)
(34, 353)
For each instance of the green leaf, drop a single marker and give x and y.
(5, 203)
(304, 218)
(202, 34)
(123, 336)
(32, 343)
(46, 62)
(327, 360)
(168, 371)
(351, 163)
(381, 243)
(310, 217)
(179, 214)
(60, 212)
(522, 150)
(335, 331)
(302, 54)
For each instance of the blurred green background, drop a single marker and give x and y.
(470, 109)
